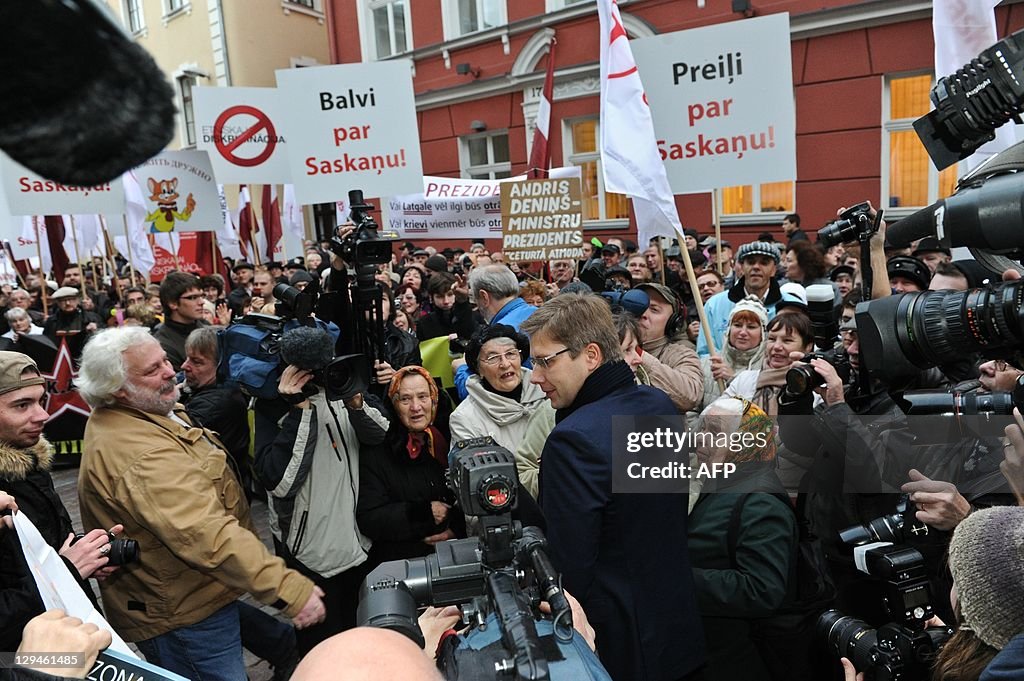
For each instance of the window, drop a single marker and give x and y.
(554, 5)
(390, 32)
(582, 140)
(770, 197)
(174, 6)
(470, 16)
(133, 15)
(188, 114)
(485, 157)
(909, 179)
(305, 3)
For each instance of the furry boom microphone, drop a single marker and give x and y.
(307, 348)
(79, 102)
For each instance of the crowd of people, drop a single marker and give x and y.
(544, 357)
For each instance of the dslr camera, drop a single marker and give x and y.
(853, 224)
(803, 378)
(122, 551)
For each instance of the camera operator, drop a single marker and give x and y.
(25, 459)
(307, 457)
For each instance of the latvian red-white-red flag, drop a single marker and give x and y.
(630, 159)
(540, 153)
(271, 210)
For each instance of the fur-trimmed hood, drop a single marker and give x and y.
(16, 464)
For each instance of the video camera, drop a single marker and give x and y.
(364, 246)
(904, 648)
(498, 578)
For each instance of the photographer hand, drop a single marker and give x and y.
(1012, 465)
(355, 402)
(939, 504)
(579, 620)
(384, 372)
(440, 511)
(54, 630)
(850, 672)
(89, 553)
(440, 537)
(7, 507)
(433, 623)
(832, 393)
(293, 380)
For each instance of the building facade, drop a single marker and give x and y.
(862, 72)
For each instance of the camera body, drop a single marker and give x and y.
(949, 416)
(803, 378)
(498, 578)
(122, 551)
(364, 246)
(854, 224)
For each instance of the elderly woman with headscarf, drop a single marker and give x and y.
(742, 538)
(743, 350)
(501, 397)
(405, 506)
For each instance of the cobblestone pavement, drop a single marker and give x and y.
(66, 482)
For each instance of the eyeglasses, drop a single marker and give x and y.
(545, 362)
(1001, 365)
(193, 296)
(492, 360)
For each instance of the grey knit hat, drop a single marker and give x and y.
(986, 557)
(758, 248)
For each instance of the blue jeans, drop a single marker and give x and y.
(209, 650)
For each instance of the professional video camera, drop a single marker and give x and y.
(255, 348)
(971, 103)
(364, 246)
(498, 578)
(905, 647)
(902, 334)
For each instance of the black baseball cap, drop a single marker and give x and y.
(611, 248)
(909, 267)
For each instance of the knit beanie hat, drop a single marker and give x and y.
(986, 557)
(753, 305)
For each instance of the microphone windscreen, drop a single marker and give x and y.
(80, 103)
(307, 348)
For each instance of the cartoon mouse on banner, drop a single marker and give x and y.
(164, 193)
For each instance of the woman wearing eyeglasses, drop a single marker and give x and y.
(501, 397)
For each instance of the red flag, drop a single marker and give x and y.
(55, 239)
(247, 226)
(540, 153)
(271, 210)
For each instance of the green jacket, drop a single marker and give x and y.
(732, 598)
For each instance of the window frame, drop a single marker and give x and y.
(452, 24)
(467, 170)
(139, 14)
(577, 159)
(556, 5)
(367, 8)
(757, 217)
(888, 125)
(186, 104)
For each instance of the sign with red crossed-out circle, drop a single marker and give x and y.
(239, 127)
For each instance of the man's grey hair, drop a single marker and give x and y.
(102, 371)
(204, 341)
(16, 313)
(497, 280)
(19, 293)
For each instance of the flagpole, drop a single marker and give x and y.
(253, 242)
(282, 240)
(108, 260)
(215, 255)
(78, 255)
(716, 219)
(14, 262)
(128, 241)
(42, 278)
(174, 250)
(661, 259)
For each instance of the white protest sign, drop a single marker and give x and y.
(240, 128)
(179, 193)
(29, 193)
(453, 208)
(722, 101)
(351, 126)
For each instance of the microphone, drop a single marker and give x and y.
(80, 103)
(307, 348)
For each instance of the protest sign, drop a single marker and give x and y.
(542, 219)
(722, 101)
(240, 128)
(29, 193)
(453, 208)
(179, 193)
(351, 126)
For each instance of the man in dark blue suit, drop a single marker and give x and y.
(623, 556)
